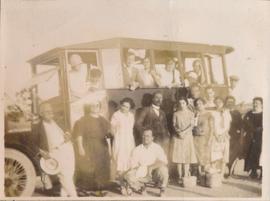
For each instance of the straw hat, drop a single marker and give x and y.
(50, 166)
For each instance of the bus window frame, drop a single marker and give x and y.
(211, 72)
(195, 55)
(34, 89)
(98, 59)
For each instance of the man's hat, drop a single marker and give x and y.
(50, 166)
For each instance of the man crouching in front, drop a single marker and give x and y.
(148, 164)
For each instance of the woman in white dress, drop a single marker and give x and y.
(122, 124)
(221, 139)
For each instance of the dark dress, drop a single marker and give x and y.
(253, 142)
(235, 136)
(95, 166)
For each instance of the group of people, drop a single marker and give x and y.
(203, 131)
(162, 76)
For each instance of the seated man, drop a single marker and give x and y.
(148, 163)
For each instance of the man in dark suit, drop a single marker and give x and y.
(154, 118)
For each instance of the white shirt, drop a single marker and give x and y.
(156, 109)
(145, 156)
(168, 77)
(145, 78)
(78, 80)
(54, 133)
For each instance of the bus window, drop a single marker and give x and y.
(194, 71)
(166, 69)
(137, 68)
(48, 88)
(84, 72)
(49, 79)
(215, 69)
(111, 62)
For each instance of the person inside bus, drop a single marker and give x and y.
(198, 69)
(78, 76)
(53, 140)
(148, 163)
(95, 79)
(130, 72)
(190, 78)
(168, 76)
(145, 75)
(210, 98)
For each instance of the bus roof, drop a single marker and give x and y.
(138, 43)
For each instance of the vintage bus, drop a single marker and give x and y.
(61, 75)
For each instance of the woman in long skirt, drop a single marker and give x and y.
(122, 124)
(202, 134)
(183, 151)
(221, 140)
(253, 128)
(91, 132)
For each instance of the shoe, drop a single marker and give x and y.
(129, 191)
(99, 194)
(162, 192)
(142, 191)
(123, 190)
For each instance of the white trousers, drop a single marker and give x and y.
(66, 159)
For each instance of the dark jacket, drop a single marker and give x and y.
(158, 124)
(236, 126)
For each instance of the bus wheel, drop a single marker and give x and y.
(20, 174)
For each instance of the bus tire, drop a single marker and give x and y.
(20, 174)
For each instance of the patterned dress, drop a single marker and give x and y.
(201, 137)
(183, 150)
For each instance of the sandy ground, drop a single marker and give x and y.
(239, 185)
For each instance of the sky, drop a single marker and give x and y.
(32, 27)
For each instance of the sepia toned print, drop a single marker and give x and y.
(131, 117)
